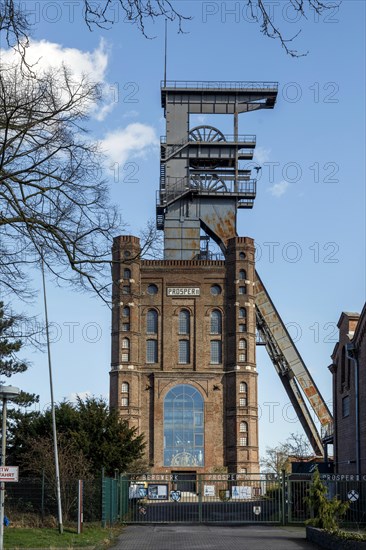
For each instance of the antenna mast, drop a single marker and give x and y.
(166, 50)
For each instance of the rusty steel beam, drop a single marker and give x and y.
(290, 367)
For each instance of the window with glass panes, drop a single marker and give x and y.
(242, 350)
(184, 427)
(125, 356)
(125, 394)
(183, 352)
(151, 351)
(216, 322)
(184, 322)
(216, 352)
(152, 322)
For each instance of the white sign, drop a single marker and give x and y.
(257, 510)
(241, 492)
(183, 291)
(353, 495)
(9, 473)
(209, 490)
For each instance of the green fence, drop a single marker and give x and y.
(223, 498)
(32, 501)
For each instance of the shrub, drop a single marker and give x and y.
(327, 513)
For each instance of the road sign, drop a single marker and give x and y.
(353, 495)
(9, 473)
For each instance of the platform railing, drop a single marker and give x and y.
(219, 85)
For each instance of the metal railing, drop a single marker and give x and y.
(231, 187)
(219, 85)
(229, 139)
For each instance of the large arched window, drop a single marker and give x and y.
(183, 427)
(152, 322)
(184, 322)
(216, 322)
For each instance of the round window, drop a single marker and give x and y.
(152, 289)
(127, 253)
(216, 290)
(242, 256)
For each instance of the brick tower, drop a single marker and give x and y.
(184, 328)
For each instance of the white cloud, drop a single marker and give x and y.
(279, 189)
(261, 155)
(44, 55)
(136, 140)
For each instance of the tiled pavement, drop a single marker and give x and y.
(204, 537)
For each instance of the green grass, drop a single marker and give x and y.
(92, 536)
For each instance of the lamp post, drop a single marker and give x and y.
(6, 392)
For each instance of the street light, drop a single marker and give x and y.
(6, 392)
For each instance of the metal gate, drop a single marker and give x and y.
(224, 498)
(216, 498)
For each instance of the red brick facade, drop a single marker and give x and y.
(349, 394)
(227, 384)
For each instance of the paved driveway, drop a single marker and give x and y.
(203, 537)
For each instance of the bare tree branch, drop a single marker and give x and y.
(15, 26)
(53, 203)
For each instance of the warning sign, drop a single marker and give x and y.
(9, 473)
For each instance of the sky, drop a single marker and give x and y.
(308, 220)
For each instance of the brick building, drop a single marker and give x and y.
(184, 328)
(349, 394)
(183, 357)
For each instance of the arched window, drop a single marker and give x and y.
(242, 313)
(184, 322)
(243, 427)
(125, 356)
(243, 439)
(126, 312)
(243, 387)
(151, 351)
(242, 350)
(242, 275)
(125, 391)
(183, 427)
(184, 352)
(127, 273)
(152, 322)
(216, 322)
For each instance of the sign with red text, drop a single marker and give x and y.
(9, 473)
